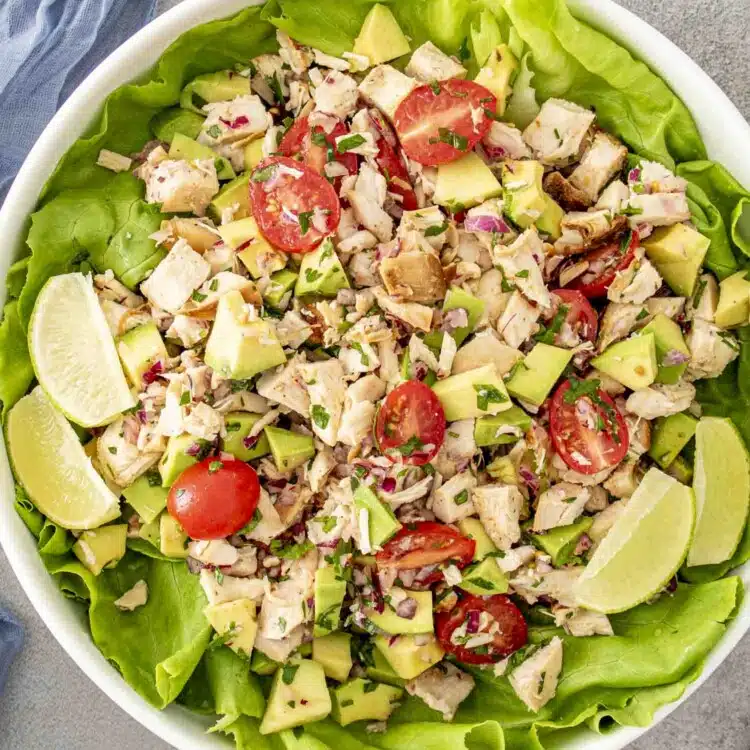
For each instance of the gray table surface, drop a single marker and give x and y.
(50, 703)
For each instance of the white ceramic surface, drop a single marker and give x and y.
(723, 130)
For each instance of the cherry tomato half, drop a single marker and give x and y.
(410, 427)
(294, 206)
(396, 175)
(214, 498)
(586, 427)
(511, 635)
(604, 262)
(441, 122)
(426, 543)
(581, 316)
(315, 147)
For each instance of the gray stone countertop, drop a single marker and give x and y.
(50, 703)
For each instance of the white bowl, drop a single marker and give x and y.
(721, 126)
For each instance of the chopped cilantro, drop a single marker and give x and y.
(463, 51)
(350, 143)
(362, 353)
(253, 523)
(311, 275)
(197, 296)
(112, 450)
(214, 286)
(265, 174)
(547, 333)
(412, 445)
(320, 416)
(524, 274)
(214, 131)
(446, 135)
(579, 389)
(289, 672)
(435, 86)
(185, 398)
(462, 498)
(371, 687)
(482, 583)
(488, 394)
(436, 230)
(233, 426)
(215, 466)
(304, 222)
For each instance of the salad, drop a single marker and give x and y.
(368, 381)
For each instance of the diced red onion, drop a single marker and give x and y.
(407, 608)
(194, 566)
(388, 485)
(472, 621)
(238, 122)
(494, 152)
(634, 174)
(454, 319)
(392, 639)
(530, 479)
(644, 230)
(142, 416)
(420, 370)
(584, 544)
(151, 374)
(675, 357)
(486, 223)
(193, 450)
(249, 441)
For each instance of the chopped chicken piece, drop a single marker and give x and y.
(182, 186)
(416, 315)
(608, 384)
(211, 291)
(597, 501)
(711, 349)
(174, 280)
(279, 650)
(285, 387)
(428, 63)
(327, 389)
(490, 291)
(457, 450)
(614, 198)
(121, 319)
(619, 320)
(215, 552)
(203, 422)
(672, 307)
(505, 141)
(624, 480)
(270, 524)
(705, 299)
(270, 72)
(385, 88)
(560, 505)
(239, 119)
(636, 283)
(559, 132)
(535, 680)
(652, 177)
(365, 200)
(658, 209)
(336, 95)
(563, 472)
(582, 623)
(639, 431)
(230, 589)
(518, 323)
(661, 400)
(336, 519)
(443, 688)
(582, 230)
(410, 495)
(563, 191)
(452, 502)
(362, 269)
(499, 507)
(133, 598)
(603, 160)
(188, 331)
(359, 358)
(520, 264)
(421, 221)
(297, 57)
(604, 521)
(359, 409)
(534, 583)
(514, 558)
(119, 457)
(293, 330)
(414, 277)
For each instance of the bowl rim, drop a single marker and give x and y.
(720, 124)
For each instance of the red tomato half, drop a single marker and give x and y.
(426, 543)
(435, 123)
(294, 206)
(604, 262)
(588, 431)
(307, 143)
(396, 175)
(411, 424)
(581, 317)
(214, 498)
(511, 635)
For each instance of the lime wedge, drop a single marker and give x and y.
(721, 482)
(74, 354)
(53, 468)
(644, 549)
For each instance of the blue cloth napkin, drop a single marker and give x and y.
(47, 47)
(11, 638)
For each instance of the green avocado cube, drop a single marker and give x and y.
(140, 349)
(560, 543)
(151, 532)
(262, 665)
(535, 376)
(677, 253)
(321, 272)
(671, 434)
(167, 123)
(382, 524)
(497, 73)
(472, 527)
(147, 496)
(289, 449)
(734, 301)
(458, 299)
(334, 653)
(282, 283)
(299, 695)
(187, 149)
(380, 38)
(180, 455)
(525, 199)
(381, 671)
(549, 222)
(239, 347)
(390, 622)
(475, 393)
(238, 425)
(668, 340)
(464, 183)
(503, 428)
(484, 578)
(235, 195)
(101, 548)
(329, 596)
(681, 470)
(409, 655)
(172, 538)
(213, 87)
(359, 700)
(631, 362)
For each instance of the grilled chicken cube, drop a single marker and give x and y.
(452, 502)
(286, 387)
(503, 141)
(661, 400)
(416, 315)
(443, 688)
(601, 162)
(559, 132)
(499, 508)
(711, 349)
(619, 320)
(237, 120)
(520, 264)
(297, 57)
(182, 186)
(658, 209)
(458, 448)
(582, 230)
(560, 505)
(565, 193)
(671, 307)
(327, 389)
(414, 277)
(428, 63)
(624, 480)
(385, 88)
(636, 283)
(119, 457)
(614, 198)
(535, 680)
(174, 280)
(518, 323)
(652, 177)
(705, 299)
(582, 623)
(336, 95)
(230, 588)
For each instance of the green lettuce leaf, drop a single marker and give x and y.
(16, 372)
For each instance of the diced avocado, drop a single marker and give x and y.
(176, 458)
(458, 299)
(238, 347)
(551, 218)
(140, 349)
(238, 425)
(502, 469)
(282, 283)
(213, 87)
(359, 700)
(631, 362)
(484, 578)
(257, 255)
(165, 124)
(380, 38)
(677, 252)
(681, 470)
(381, 671)
(289, 449)
(734, 301)
(560, 543)
(253, 154)
(390, 622)
(382, 524)
(472, 527)
(172, 537)
(262, 665)
(234, 195)
(671, 434)
(501, 429)
(524, 195)
(497, 73)
(334, 653)
(321, 272)
(535, 376)
(188, 149)
(465, 182)
(329, 596)
(667, 339)
(236, 621)
(474, 393)
(151, 532)
(147, 496)
(101, 548)
(409, 655)
(299, 695)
